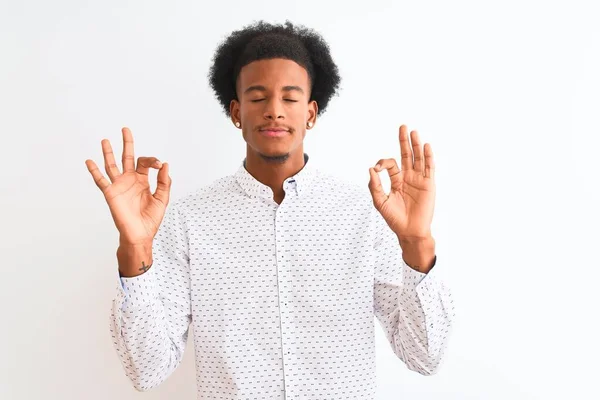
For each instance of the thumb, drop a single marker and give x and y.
(377, 192)
(163, 185)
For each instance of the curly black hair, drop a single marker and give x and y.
(262, 40)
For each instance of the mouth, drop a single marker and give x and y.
(273, 133)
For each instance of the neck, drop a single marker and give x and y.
(273, 173)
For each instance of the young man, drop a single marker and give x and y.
(279, 267)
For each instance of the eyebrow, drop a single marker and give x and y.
(261, 88)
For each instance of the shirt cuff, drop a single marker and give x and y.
(411, 278)
(420, 281)
(138, 289)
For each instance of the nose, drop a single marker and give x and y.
(273, 110)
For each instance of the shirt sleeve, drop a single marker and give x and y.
(415, 309)
(151, 313)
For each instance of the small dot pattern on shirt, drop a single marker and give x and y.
(281, 298)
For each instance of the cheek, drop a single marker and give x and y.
(246, 112)
(299, 113)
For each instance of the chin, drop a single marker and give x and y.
(274, 156)
(273, 149)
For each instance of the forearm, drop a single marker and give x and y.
(149, 345)
(425, 319)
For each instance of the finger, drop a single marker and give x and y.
(163, 186)
(377, 192)
(405, 150)
(391, 166)
(110, 165)
(145, 163)
(416, 146)
(128, 158)
(100, 180)
(429, 163)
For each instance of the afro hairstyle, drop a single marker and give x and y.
(262, 40)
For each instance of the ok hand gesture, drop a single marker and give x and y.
(136, 211)
(408, 209)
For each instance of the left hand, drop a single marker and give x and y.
(408, 208)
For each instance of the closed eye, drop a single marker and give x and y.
(290, 100)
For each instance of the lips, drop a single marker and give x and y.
(273, 132)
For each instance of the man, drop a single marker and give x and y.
(280, 267)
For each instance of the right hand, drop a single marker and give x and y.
(137, 212)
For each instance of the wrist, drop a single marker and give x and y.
(134, 259)
(123, 242)
(418, 253)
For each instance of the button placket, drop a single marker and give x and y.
(285, 311)
(283, 273)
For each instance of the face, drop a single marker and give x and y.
(275, 94)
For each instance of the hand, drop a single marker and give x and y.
(137, 212)
(408, 209)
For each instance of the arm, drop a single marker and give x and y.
(151, 312)
(414, 309)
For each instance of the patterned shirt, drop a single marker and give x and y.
(281, 298)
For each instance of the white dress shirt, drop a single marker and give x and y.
(281, 297)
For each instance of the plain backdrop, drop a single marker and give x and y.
(507, 93)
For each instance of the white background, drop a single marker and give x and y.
(507, 93)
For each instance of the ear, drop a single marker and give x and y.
(234, 111)
(313, 109)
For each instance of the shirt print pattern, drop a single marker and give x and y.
(281, 298)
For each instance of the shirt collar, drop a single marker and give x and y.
(298, 183)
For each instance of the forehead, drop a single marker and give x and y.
(273, 74)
